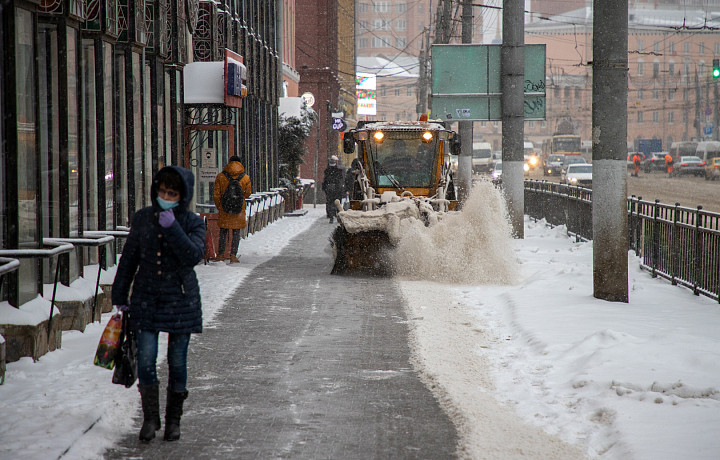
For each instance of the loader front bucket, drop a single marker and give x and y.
(362, 253)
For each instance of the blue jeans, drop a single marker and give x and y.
(147, 350)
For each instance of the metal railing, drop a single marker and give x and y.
(677, 243)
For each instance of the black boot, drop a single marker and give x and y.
(173, 412)
(151, 411)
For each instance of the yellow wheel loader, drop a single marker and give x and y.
(401, 171)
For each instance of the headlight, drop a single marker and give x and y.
(379, 136)
(526, 167)
(533, 161)
(573, 179)
(427, 136)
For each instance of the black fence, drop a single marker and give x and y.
(674, 242)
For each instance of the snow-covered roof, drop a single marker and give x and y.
(400, 66)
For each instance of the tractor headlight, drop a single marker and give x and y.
(379, 136)
(427, 136)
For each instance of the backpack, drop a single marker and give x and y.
(233, 199)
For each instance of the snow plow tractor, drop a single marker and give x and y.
(401, 171)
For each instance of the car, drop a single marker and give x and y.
(579, 174)
(569, 160)
(689, 165)
(552, 165)
(712, 169)
(453, 163)
(497, 170)
(654, 162)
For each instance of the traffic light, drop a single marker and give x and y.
(716, 68)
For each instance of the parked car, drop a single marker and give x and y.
(578, 174)
(689, 165)
(571, 160)
(654, 162)
(552, 165)
(712, 169)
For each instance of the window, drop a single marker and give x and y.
(671, 118)
(640, 94)
(685, 117)
(531, 124)
(686, 70)
(362, 7)
(671, 47)
(640, 117)
(686, 94)
(397, 92)
(656, 69)
(401, 7)
(382, 7)
(363, 26)
(381, 42)
(701, 68)
(656, 47)
(401, 25)
(656, 94)
(383, 91)
(400, 42)
(717, 48)
(640, 45)
(409, 91)
(701, 47)
(671, 68)
(640, 67)
(381, 24)
(656, 117)
(686, 48)
(671, 94)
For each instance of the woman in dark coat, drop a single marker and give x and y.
(165, 242)
(334, 187)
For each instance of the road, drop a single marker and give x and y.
(689, 191)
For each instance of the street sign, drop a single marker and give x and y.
(338, 124)
(466, 82)
(707, 130)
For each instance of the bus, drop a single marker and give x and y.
(562, 144)
(682, 149)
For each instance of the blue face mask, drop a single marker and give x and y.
(165, 204)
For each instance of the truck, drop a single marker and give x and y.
(648, 146)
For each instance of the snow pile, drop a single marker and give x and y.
(473, 246)
(387, 218)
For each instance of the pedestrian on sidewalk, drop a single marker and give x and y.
(232, 187)
(165, 242)
(334, 186)
(669, 164)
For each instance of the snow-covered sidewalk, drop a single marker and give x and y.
(619, 381)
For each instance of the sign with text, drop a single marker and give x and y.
(466, 82)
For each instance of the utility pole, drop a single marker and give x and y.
(512, 63)
(465, 128)
(609, 133)
(698, 120)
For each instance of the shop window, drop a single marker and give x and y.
(121, 167)
(25, 99)
(89, 164)
(109, 135)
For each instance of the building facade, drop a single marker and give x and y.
(92, 96)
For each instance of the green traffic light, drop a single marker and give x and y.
(716, 72)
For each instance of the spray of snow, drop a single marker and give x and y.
(473, 246)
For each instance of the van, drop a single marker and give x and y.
(481, 156)
(707, 150)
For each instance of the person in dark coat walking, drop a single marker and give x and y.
(334, 186)
(165, 242)
(226, 220)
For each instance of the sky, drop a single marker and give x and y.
(528, 364)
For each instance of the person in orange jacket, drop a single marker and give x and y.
(669, 164)
(636, 165)
(228, 220)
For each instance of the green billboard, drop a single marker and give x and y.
(466, 82)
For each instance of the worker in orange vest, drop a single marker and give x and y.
(636, 165)
(669, 164)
